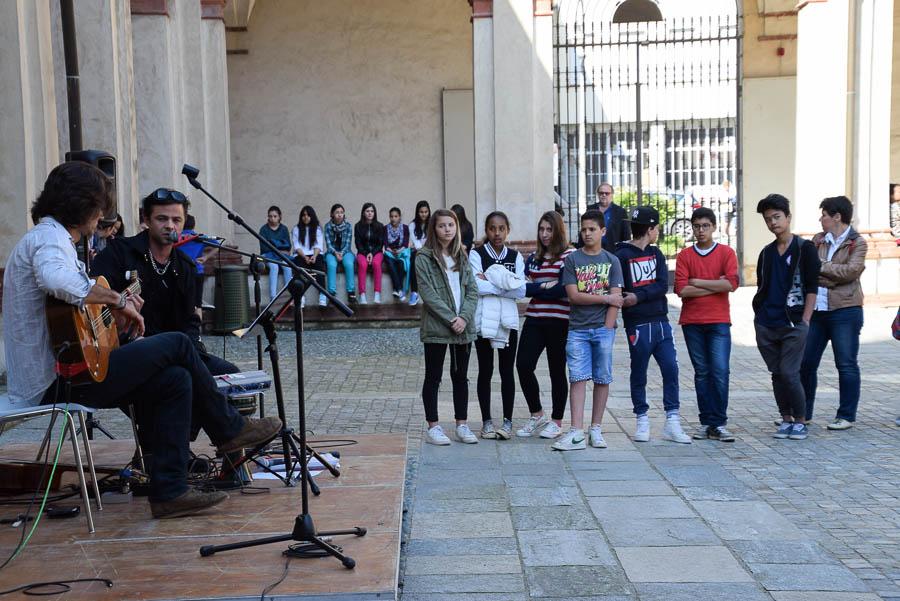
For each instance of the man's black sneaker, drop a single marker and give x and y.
(719, 433)
(191, 502)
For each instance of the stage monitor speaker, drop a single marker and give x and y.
(102, 160)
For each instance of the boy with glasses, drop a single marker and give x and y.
(704, 275)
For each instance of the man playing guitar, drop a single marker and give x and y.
(162, 374)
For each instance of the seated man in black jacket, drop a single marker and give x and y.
(167, 275)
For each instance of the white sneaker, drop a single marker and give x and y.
(397, 293)
(532, 425)
(377, 298)
(551, 430)
(840, 424)
(414, 298)
(362, 299)
(642, 432)
(597, 437)
(435, 435)
(323, 300)
(302, 302)
(487, 430)
(402, 297)
(572, 441)
(673, 431)
(464, 434)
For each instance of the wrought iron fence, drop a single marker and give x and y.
(652, 109)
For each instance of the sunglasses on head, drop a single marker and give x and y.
(167, 194)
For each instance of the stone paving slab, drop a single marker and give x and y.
(681, 564)
(461, 525)
(787, 552)
(612, 509)
(812, 577)
(746, 520)
(462, 564)
(552, 518)
(625, 488)
(544, 497)
(565, 548)
(576, 581)
(657, 532)
(822, 596)
(719, 591)
(479, 583)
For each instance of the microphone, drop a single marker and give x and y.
(201, 237)
(172, 237)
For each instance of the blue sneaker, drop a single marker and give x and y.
(784, 430)
(799, 432)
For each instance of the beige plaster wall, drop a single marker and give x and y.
(770, 116)
(895, 101)
(340, 101)
(761, 30)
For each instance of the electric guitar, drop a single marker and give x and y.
(89, 335)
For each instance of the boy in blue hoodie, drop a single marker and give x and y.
(647, 326)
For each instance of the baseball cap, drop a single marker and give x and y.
(644, 215)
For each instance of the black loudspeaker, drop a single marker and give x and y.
(102, 160)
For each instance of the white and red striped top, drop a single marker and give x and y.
(545, 271)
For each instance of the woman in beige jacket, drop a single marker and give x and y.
(839, 309)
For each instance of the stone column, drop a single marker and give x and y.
(483, 96)
(872, 113)
(103, 33)
(28, 123)
(513, 111)
(822, 62)
(217, 135)
(156, 81)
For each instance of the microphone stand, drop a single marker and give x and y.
(257, 300)
(304, 530)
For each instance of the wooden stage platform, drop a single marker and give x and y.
(151, 559)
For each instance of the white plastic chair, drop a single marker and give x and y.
(10, 411)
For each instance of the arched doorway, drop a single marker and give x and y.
(646, 98)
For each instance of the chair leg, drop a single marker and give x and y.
(90, 459)
(47, 436)
(70, 426)
(137, 441)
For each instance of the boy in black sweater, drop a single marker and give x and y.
(647, 326)
(787, 275)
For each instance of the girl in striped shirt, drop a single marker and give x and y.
(546, 327)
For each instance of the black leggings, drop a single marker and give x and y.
(413, 282)
(434, 368)
(507, 374)
(541, 333)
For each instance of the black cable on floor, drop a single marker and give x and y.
(272, 586)
(33, 589)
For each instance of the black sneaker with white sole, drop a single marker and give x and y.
(719, 433)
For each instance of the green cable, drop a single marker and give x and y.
(37, 520)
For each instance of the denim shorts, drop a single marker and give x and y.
(589, 355)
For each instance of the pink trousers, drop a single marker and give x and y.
(362, 266)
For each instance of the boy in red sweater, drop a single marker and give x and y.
(704, 275)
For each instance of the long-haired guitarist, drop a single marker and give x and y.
(163, 374)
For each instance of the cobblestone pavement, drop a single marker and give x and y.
(509, 521)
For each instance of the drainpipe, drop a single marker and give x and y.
(70, 51)
(853, 84)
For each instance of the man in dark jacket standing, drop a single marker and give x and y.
(617, 228)
(787, 274)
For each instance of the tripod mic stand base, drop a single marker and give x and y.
(304, 532)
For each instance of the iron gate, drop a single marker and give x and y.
(651, 108)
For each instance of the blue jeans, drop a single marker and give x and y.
(331, 264)
(646, 340)
(273, 274)
(709, 347)
(841, 327)
(589, 355)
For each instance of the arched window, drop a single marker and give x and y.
(637, 11)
